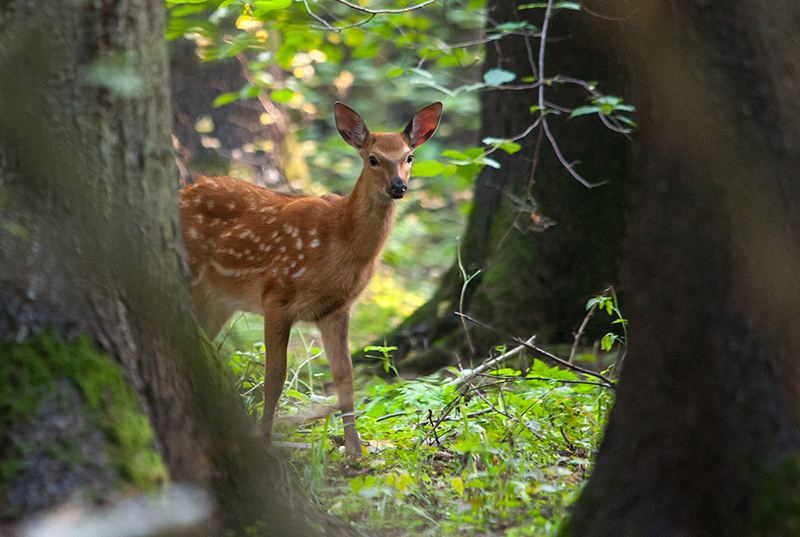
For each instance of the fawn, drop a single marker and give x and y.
(299, 258)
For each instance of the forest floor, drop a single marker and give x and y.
(502, 452)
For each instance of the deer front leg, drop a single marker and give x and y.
(276, 339)
(334, 329)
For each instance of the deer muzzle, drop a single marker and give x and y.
(397, 188)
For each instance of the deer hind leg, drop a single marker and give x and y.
(335, 329)
(211, 314)
(276, 339)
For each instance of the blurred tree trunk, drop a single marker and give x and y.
(704, 436)
(89, 245)
(211, 138)
(543, 242)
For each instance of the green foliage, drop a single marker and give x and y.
(29, 373)
(504, 451)
(608, 303)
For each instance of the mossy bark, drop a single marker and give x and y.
(69, 422)
(544, 243)
(704, 438)
(90, 247)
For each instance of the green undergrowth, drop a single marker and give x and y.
(504, 452)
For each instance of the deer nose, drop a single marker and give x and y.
(397, 188)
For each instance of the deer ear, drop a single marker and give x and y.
(350, 125)
(424, 124)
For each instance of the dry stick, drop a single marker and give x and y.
(579, 333)
(607, 382)
(545, 379)
(492, 362)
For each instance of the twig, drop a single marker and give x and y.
(390, 416)
(523, 134)
(579, 333)
(547, 14)
(607, 382)
(379, 11)
(546, 379)
(492, 362)
(269, 106)
(330, 27)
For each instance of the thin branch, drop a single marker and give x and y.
(492, 362)
(579, 333)
(546, 379)
(379, 11)
(523, 134)
(608, 382)
(542, 43)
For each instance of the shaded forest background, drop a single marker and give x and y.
(702, 438)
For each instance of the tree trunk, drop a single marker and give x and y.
(703, 439)
(543, 242)
(90, 246)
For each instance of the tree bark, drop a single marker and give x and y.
(90, 245)
(543, 242)
(703, 439)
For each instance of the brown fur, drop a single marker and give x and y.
(298, 258)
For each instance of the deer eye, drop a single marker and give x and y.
(410, 158)
(373, 161)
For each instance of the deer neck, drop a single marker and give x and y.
(367, 221)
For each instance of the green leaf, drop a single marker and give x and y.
(508, 27)
(584, 110)
(448, 171)
(281, 95)
(370, 51)
(225, 98)
(190, 9)
(497, 77)
(353, 37)
(397, 71)
(265, 6)
(608, 341)
(428, 168)
(508, 147)
(333, 53)
(455, 155)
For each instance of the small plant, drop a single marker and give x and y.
(608, 303)
(385, 357)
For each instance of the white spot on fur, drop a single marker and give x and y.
(232, 205)
(210, 204)
(198, 218)
(299, 273)
(313, 232)
(299, 245)
(192, 232)
(315, 243)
